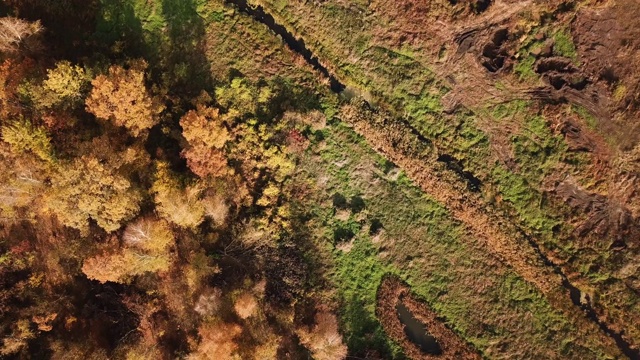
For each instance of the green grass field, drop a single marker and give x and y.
(481, 299)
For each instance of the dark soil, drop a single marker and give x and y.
(605, 217)
(494, 53)
(608, 43)
(295, 44)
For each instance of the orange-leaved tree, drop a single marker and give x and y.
(122, 97)
(217, 341)
(207, 134)
(146, 248)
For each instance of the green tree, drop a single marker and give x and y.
(23, 136)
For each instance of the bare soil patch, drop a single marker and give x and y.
(605, 217)
(607, 40)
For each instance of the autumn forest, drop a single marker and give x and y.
(146, 207)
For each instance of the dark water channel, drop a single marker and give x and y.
(416, 331)
(295, 44)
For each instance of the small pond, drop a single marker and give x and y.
(417, 331)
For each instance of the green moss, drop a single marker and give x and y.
(508, 110)
(563, 44)
(419, 241)
(359, 273)
(525, 201)
(524, 68)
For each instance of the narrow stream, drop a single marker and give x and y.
(575, 295)
(292, 42)
(416, 331)
(455, 165)
(259, 14)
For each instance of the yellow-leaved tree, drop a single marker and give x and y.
(23, 136)
(86, 189)
(122, 97)
(65, 85)
(122, 266)
(26, 157)
(242, 98)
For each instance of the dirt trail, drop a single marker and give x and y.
(473, 86)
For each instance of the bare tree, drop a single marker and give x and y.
(323, 339)
(16, 33)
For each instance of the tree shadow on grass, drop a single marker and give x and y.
(68, 23)
(169, 34)
(365, 334)
(187, 65)
(119, 31)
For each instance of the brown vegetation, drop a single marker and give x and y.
(245, 305)
(613, 65)
(105, 234)
(17, 33)
(217, 341)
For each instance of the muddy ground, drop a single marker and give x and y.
(474, 50)
(608, 38)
